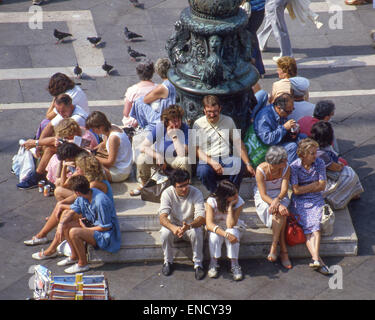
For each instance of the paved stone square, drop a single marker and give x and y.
(340, 65)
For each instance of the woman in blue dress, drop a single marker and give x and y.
(308, 181)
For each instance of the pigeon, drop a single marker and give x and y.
(94, 40)
(107, 68)
(134, 54)
(136, 4)
(78, 71)
(129, 35)
(60, 35)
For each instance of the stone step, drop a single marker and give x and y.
(150, 221)
(145, 245)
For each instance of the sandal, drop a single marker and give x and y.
(315, 264)
(286, 262)
(135, 192)
(271, 257)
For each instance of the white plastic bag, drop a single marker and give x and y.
(23, 163)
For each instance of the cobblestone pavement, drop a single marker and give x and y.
(340, 64)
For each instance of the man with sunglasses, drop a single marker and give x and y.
(272, 126)
(182, 216)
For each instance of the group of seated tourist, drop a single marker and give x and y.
(81, 154)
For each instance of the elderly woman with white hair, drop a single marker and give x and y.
(271, 199)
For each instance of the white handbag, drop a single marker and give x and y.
(327, 221)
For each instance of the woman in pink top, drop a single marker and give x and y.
(145, 71)
(67, 129)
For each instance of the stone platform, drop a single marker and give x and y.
(140, 227)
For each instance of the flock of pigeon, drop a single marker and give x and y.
(95, 41)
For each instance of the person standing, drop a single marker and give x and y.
(275, 22)
(255, 21)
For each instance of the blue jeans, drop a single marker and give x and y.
(207, 175)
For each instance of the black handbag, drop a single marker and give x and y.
(152, 190)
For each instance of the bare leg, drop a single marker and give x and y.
(312, 243)
(51, 223)
(276, 230)
(55, 242)
(62, 193)
(77, 237)
(47, 155)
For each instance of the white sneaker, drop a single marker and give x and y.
(36, 2)
(237, 273)
(276, 58)
(35, 241)
(76, 268)
(66, 262)
(213, 271)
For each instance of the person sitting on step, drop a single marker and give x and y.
(166, 145)
(223, 209)
(91, 219)
(182, 215)
(272, 201)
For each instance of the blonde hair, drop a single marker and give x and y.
(304, 145)
(162, 66)
(92, 168)
(67, 128)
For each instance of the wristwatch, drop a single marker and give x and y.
(248, 164)
(36, 143)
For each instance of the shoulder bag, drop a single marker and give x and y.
(293, 232)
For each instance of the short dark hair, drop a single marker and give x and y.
(64, 99)
(59, 83)
(145, 70)
(68, 150)
(79, 184)
(282, 100)
(211, 100)
(323, 108)
(322, 133)
(97, 119)
(179, 176)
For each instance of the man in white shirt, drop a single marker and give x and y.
(65, 109)
(216, 133)
(182, 215)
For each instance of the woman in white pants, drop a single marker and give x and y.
(223, 209)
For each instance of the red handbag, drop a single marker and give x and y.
(293, 232)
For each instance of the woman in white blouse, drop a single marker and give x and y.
(223, 209)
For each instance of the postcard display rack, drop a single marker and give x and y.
(69, 287)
